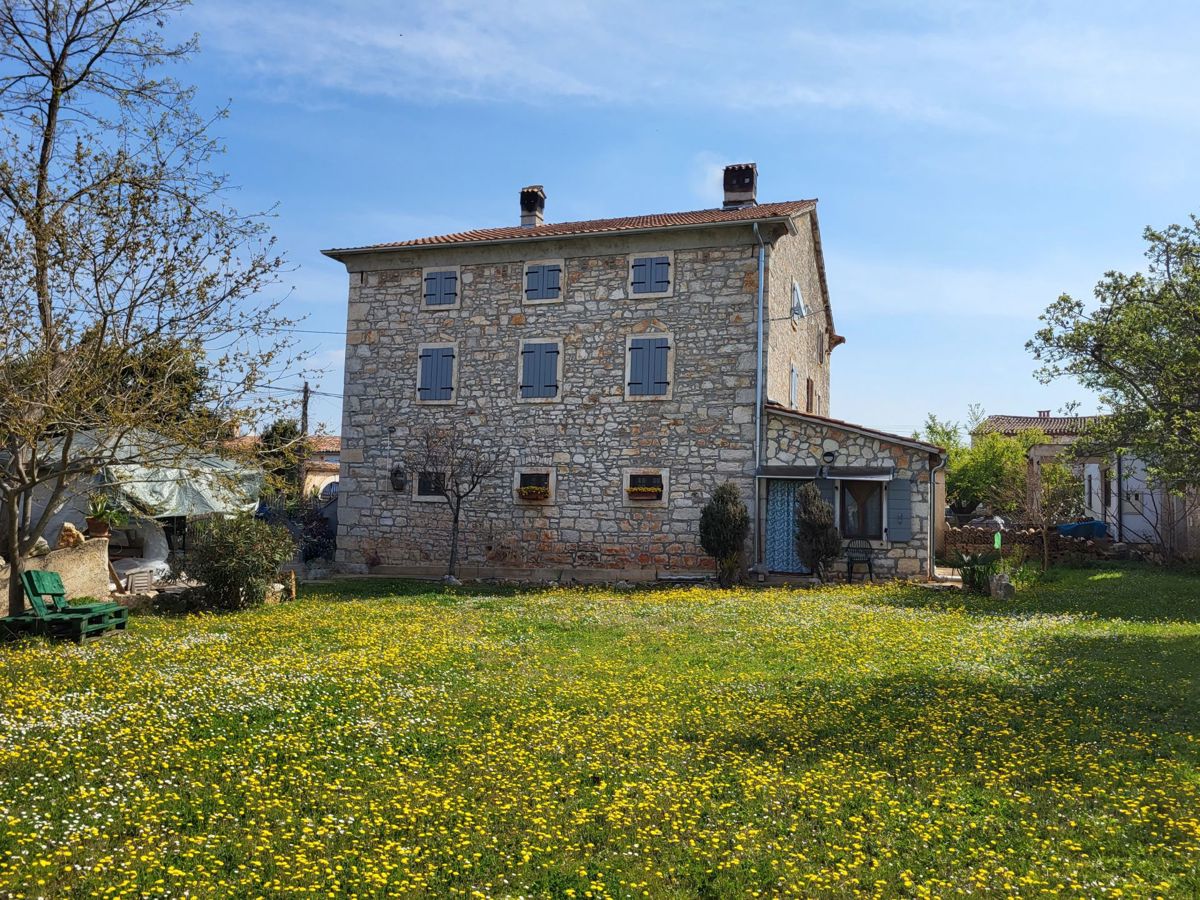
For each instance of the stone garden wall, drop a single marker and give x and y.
(1028, 542)
(83, 569)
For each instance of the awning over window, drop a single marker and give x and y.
(842, 473)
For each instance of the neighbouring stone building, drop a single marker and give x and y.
(615, 365)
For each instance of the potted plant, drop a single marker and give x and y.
(644, 492)
(102, 514)
(533, 492)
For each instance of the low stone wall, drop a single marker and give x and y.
(972, 539)
(83, 569)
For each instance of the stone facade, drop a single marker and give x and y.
(799, 441)
(702, 435)
(590, 437)
(799, 344)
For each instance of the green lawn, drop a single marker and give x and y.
(382, 738)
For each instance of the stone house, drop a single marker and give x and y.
(623, 368)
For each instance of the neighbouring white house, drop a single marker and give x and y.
(1117, 489)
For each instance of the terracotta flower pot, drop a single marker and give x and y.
(98, 528)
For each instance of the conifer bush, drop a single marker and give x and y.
(818, 541)
(724, 524)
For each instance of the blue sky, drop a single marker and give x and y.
(973, 160)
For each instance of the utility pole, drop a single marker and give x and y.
(302, 455)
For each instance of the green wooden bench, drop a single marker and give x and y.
(51, 615)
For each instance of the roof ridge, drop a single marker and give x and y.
(650, 221)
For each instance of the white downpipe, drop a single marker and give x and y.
(933, 512)
(758, 393)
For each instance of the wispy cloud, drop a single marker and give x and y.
(952, 64)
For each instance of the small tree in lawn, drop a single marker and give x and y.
(817, 539)
(724, 524)
(1057, 498)
(458, 466)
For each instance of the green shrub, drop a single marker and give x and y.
(724, 524)
(976, 569)
(236, 559)
(818, 541)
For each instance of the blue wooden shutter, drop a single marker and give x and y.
(539, 371)
(428, 380)
(542, 282)
(639, 367)
(899, 510)
(445, 385)
(534, 282)
(551, 277)
(437, 374)
(441, 288)
(641, 276)
(433, 288)
(660, 347)
(660, 274)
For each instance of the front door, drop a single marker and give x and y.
(781, 527)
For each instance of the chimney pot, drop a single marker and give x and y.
(741, 185)
(533, 205)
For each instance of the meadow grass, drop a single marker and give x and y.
(384, 738)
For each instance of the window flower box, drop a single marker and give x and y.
(534, 492)
(644, 492)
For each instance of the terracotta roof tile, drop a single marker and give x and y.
(317, 443)
(599, 226)
(1061, 426)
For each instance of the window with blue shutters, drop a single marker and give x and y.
(543, 281)
(441, 287)
(437, 372)
(899, 510)
(648, 369)
(651, 274)
(539, 369)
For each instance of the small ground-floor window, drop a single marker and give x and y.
(862, 510)
(534, 485)
(431, 485)
(646, 487)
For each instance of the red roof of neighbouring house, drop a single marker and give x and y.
(851, 426)
(325, 443)
(317, 443)
(1055, 426)
(598, 226)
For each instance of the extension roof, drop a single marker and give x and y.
(909, 441)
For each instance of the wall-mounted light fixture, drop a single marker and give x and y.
(828, 457)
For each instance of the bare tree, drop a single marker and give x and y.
(129, 290)
(455, 466)
(1056, 496)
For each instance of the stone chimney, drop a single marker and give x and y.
(1043, 413)
(533, 204)
(741, 185)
